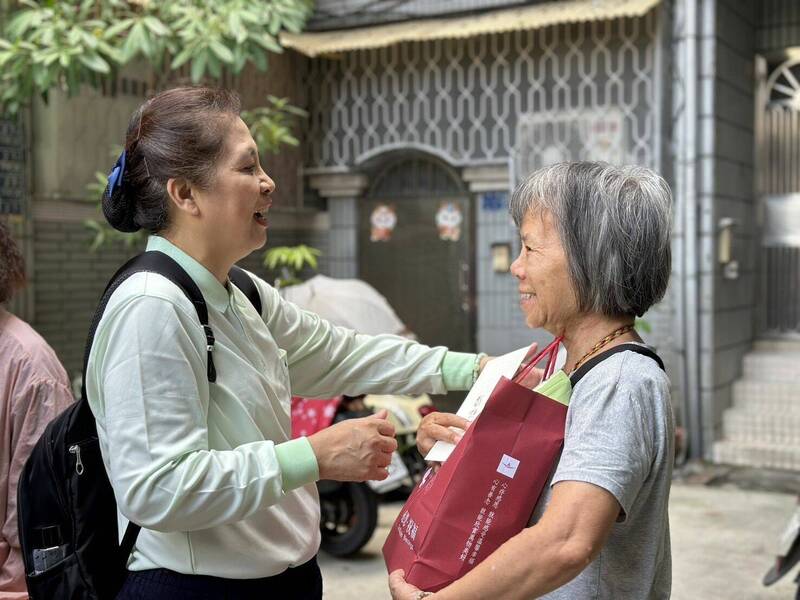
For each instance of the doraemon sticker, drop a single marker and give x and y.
(448, 221)
(383, 220)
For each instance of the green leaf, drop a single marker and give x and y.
(156, 26)
(95, 62)
(267, 42)
(137, 42)
(222, 51)
(259, 58)
(214, 66)
(199, 66)
(182, 57)
(117, 29)
(22, 22)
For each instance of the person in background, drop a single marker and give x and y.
(34, 389)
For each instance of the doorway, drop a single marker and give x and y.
(415, 247)
(779, 189)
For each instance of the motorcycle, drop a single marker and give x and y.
(405, 413)
(349, 510)
(788, 552)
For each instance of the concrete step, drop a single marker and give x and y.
(777, 346)
(778, 397)
(771, 456)
(765, 365)
(747, 426)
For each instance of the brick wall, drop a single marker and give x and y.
(68, 282)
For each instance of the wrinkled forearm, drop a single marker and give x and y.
(531, 564)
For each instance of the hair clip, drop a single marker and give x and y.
(115, 176)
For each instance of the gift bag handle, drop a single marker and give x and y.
(551, 352)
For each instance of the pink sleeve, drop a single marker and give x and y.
(33, 407)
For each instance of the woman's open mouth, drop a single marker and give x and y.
(261, 218)
(525, 298)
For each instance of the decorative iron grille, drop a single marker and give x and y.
(415, 177)
(12, 169)
(470, 101)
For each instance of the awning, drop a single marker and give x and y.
(497, 21)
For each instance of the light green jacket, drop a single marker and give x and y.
(210, 470)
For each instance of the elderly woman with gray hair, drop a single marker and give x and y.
(595, 255)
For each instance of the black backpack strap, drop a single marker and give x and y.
(154, 262)
(589, 365)
(244, 282)
(128, 540)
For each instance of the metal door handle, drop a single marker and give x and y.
(463, 284)
(463, 273)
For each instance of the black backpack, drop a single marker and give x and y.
(67, 514)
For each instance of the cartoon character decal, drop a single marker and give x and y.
(448, 221)
(383, 220)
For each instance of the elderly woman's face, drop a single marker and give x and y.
(546, 296)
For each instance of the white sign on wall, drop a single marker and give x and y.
(548, 138)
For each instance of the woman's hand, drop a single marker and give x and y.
(400, 589)
(436, 426)
(355, 450)
(533, 378)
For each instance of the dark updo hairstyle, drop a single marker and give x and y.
(179, 133)
(12, 265)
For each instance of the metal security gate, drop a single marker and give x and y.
(415, 248)
(779, 186)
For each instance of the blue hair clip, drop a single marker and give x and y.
(115, 177)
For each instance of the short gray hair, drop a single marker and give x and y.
(614, 224)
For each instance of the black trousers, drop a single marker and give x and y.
(300, 583)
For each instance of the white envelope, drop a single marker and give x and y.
(502, 366)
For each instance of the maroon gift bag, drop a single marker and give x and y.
(486, 490)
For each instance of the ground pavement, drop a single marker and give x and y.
(723, 539)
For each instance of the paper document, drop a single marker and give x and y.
(502, 366)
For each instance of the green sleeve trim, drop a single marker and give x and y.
(298, 463)
(457, 370)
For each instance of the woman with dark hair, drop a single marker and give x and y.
(225, 498)
(595, 254)
(34, 388)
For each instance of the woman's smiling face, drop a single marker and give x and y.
(546, 295)
(236, 204)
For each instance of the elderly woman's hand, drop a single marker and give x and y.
(436, 426)
(533, 378)
(401, 590)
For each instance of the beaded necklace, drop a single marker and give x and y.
(606, 340)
